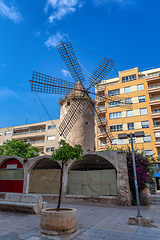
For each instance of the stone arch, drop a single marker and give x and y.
(11, 174)
(44, 176)
(94, 175)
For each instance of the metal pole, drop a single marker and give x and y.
(135, 177)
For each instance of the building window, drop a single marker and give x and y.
(116, 128)
(117, 141)
(143, 111)
(142, 99)
(115, 115)
(7, 132)
(128, 101)
(134, 140)
(49, 149)
(114, 92)
(145, 124)
(130, 126)
(129, 113)
(4, 142)
(149, 153)
(51, 137)
(127, 89)
(147, 138)
(115, 104)
(140, 87)
(129, 78)
(53, 126)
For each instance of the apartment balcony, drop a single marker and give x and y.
(157, 143)
(154, 88)
(154, 101)
(156, 126)
(101, 99)
(101, 110)
(101, 122)
(155, 114)
(154, 78)
(102, 147)
(31, 133)
(101, 135)
(101, 89)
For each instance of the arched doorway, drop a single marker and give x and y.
(11, 176)
(44, 177)
(94, 176)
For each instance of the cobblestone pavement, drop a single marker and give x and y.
(94, 222)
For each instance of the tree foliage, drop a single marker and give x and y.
(18, 148)
(66, 152)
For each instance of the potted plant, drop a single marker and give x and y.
(59, 220)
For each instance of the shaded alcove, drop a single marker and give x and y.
(11, 176)
(44, 177)
(93, 176)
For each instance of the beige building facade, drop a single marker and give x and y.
(43, 135)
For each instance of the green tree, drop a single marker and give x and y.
(65, 152)
(18, 148)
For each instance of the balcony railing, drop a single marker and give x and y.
(156, 124)
(29, 132)
(35, 141)
(101, 119)
(153, 86)
(156, 111)
(154, 98)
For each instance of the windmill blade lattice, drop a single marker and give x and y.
(69, 57)
(103, 69)
(46, 84)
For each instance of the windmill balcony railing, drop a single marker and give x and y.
(29, 132)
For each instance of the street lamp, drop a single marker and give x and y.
(131, 135)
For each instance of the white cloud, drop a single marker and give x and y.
(55, 40)
(120, 2)
(36, 34)
(66, 73)
(61, 8)
(10, 12)
(6, 93)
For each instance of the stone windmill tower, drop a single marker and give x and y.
(77, 108)
(83, 131)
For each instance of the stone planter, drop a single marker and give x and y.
(53, 222)
(144, 197)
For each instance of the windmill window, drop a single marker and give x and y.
(68, 103)
(86, 123)
(115, 128)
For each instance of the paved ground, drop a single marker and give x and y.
(95, 222)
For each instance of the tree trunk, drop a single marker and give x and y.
(60, 188)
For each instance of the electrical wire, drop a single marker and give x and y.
(47, 59)
(37, 107)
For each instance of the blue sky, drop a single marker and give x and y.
(125, 30)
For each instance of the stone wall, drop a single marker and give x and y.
(117, 159)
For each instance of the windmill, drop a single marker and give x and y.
(77, 102)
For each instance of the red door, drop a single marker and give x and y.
(11, 176)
